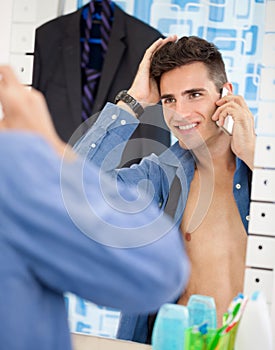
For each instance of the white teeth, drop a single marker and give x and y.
(187, 127)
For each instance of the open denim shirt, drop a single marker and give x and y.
(103, 145)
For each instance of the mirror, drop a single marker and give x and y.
(237, 30)
(244, 33)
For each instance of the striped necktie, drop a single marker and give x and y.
(105, 25)
(91, 76)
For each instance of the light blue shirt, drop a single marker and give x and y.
(56, 219)
(103, 145)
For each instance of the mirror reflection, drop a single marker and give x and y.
(90, 52)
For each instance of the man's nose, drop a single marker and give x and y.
(183, 109)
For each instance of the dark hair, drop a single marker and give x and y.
(185, 51)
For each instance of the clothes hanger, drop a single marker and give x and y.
(96, 17)
(81, 3)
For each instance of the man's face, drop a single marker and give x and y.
(188, 99)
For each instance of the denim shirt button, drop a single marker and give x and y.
(114, 116)
(238, 186)
(93, 145)
(123, 122)
(247, 217)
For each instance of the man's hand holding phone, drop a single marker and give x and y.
(228, 123)
(241, 127)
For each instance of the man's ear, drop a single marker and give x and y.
(229, 87)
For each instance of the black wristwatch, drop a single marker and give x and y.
(130, 101)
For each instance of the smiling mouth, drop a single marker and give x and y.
(187, 127)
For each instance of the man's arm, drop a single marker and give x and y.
(243, 138)
(67, 229)
(107, 137)
(115, 125)
(105, 141)
(72, 238)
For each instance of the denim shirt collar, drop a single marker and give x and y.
(183, 164)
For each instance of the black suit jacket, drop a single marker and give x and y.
(57, 74)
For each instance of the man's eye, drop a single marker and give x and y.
(195, 94)
(168, 100)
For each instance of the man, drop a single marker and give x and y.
(44, 252)
(213, 168)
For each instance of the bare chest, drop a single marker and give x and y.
(215, 241)
(210, 208)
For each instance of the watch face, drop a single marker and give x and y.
(121, 96)
(133, 104)
(128, 99)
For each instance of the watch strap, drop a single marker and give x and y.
(130, 101)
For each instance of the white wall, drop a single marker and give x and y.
(5, 28)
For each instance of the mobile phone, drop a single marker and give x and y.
(228, 121)
(1, 112)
